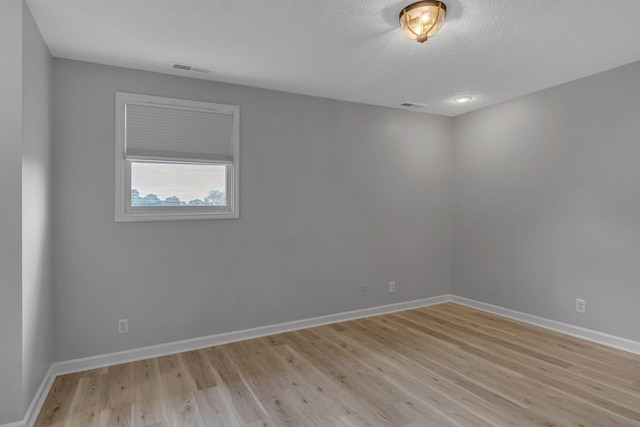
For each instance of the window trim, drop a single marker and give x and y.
(124, 212)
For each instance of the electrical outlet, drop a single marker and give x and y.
(364, 290)
(581, 306)
(123, 326)
(392, 287)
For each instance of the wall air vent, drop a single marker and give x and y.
(413, 105)
(190, 68)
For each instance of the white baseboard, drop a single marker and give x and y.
(565, 328)
(38, 400)
(36, 403)
(100, 361)
(95, 362)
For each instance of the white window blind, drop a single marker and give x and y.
(174, 133)
(175, 159)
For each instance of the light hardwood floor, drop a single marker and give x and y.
(445, 365)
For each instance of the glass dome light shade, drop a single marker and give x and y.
(422, 20)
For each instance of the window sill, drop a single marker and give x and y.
(144, 217)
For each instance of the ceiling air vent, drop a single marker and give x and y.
(190, 68)
(413, 105)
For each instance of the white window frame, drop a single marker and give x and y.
(124, 212)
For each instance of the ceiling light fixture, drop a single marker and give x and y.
(462, 99)
(422, 20)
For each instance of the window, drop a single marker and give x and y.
(175, 159)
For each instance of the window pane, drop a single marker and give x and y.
(170, 184)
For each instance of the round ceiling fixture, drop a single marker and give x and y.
(462, 99)
(422, 20)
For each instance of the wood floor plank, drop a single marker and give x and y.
(480, 397)
(119, 386)
(444, 365)
(545, 397)
(178, 389)
(59, 401)
(119, 416)
(589, 348)
(584, 362)
(246, 407)
(533, 367)
(266, 384)
(412, 377)
(87, 401)
(149, 408)
(622, 365)
(335, 398)
(198, 369)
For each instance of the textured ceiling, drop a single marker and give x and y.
(353, 50)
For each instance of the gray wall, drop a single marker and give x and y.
(334, 195)
(10, 212)
(547, 203)
(37, 281)
(26, 303)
